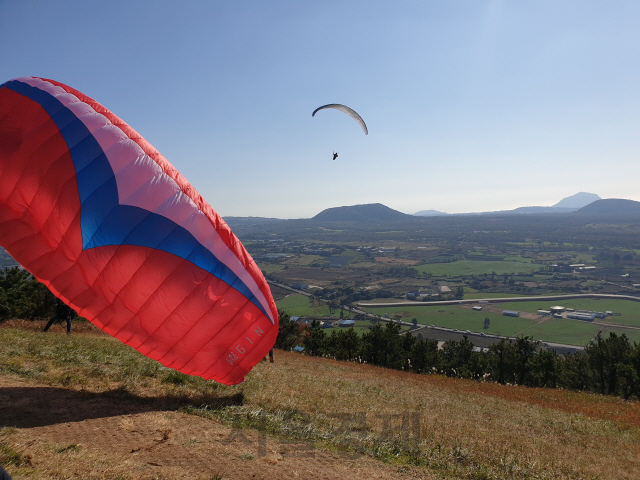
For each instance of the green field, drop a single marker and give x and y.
(298, 305)
(472, 295)
(570, 332)
(304, 260)
(518, 258)
(270, 268)
(586, 258)
(567, 331)
(452, 316)
(472, 267)
(629, 310)
(574, 332)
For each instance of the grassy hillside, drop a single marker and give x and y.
(428, 426)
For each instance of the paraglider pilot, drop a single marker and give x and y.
(63, 312)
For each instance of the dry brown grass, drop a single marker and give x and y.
(468, 429)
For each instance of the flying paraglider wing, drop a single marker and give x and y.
(348, 111)
(94, 212)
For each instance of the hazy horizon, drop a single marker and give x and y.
(470, 212)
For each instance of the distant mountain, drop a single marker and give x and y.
(376, 212)
(612, 206)
(566, 205)
(372, 212)
(578, 200)
(429, 213)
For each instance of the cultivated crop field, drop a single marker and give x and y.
(570, 332)
(298, 305)
(472, 267)
(472, 295)
(86, 406)
(452, 316)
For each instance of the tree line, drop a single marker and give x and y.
(608, 366)
(22, 296)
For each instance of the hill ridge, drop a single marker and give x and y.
(369, 212)
(611, 206)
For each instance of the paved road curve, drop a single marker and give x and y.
(502, 300)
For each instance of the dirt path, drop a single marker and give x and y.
(66, 434)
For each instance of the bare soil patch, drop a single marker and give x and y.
(611, 289)
(278, 292)
(63, 433)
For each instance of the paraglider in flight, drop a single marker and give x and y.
(348, 111)
(335, 155)
(94, 212)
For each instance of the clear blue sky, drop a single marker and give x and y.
(471, 105)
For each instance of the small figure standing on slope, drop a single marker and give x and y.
(62, 313)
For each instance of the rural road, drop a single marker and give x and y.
(507, 299)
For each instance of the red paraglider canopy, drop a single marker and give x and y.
(112, 228)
